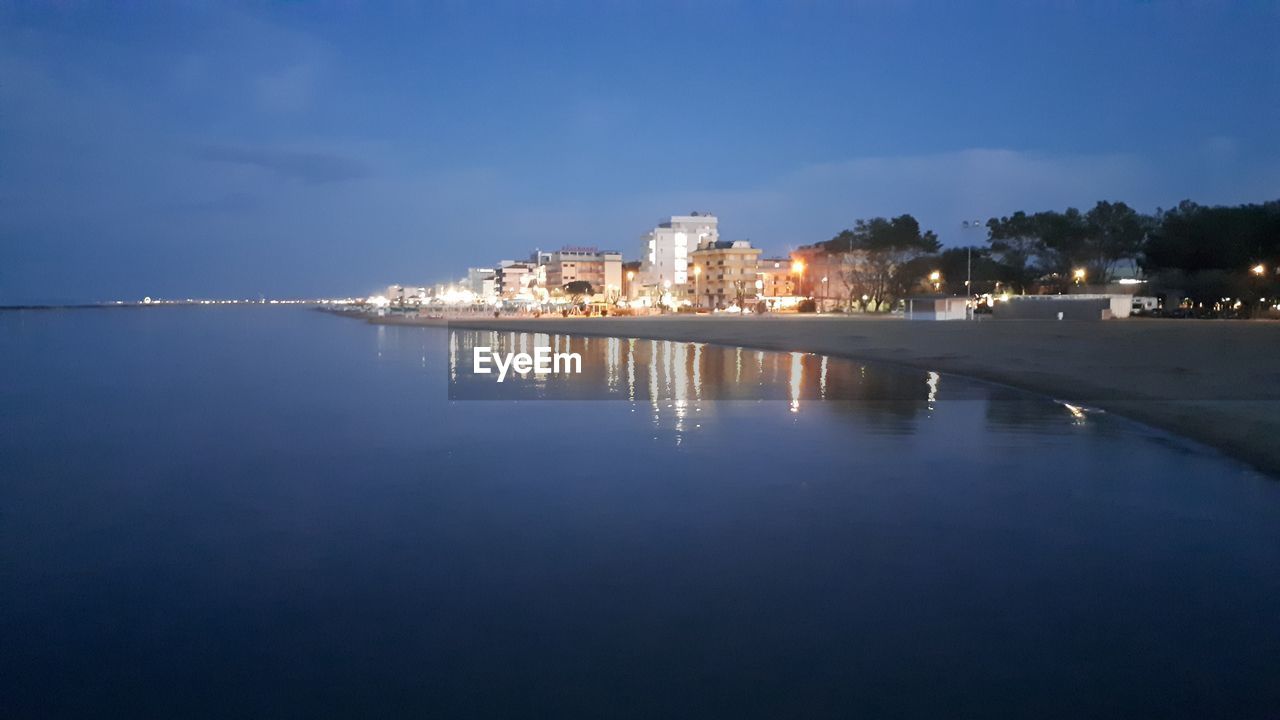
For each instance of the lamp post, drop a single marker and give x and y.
(1258, 271)
(797, 268)
(631, 276)
(935, 277)
(697, 291)
(1079, 276)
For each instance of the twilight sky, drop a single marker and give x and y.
(300, 150)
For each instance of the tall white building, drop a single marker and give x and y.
(482, 282)
(666, 248)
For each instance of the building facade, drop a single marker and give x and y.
(514, 277)
(665, 250)
(603, 269)
(724, 273)
(631, 283)
(774, 276)
(482, 282)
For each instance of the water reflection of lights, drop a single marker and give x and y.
(1079, 414)
(932, 382)
(797, 379)
(453, 356)
(697, 370)
(631, 370)
(653, 383)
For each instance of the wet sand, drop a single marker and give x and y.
(1216, 381)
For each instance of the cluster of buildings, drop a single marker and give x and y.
(683, 264)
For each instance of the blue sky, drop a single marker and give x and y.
(301, 150)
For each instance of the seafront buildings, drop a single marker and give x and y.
(725, 272)
(482, 282)
(583, 264)
(664, 262)
(515, 279)
(683, 264)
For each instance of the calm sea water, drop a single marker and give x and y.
(264, 512)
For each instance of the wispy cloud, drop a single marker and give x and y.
(286, 90)
(309, 167)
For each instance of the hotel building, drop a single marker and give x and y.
(775, 277)
(664, 264)
(515, 277)
(603, 269)
(724, 273)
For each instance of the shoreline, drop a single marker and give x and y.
(1213, 381)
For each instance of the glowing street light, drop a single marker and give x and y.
(697, 275)
(1078, 275)
(1259, 269)
(935, 277)
(797, 268)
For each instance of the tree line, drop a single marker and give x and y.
(1205, 253)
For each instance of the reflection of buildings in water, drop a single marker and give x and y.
(453, 357)
(697, 371)
(796, 382)
(683, 375)
(676, 380)
(631, 369)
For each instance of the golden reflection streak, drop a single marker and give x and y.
(797, 378)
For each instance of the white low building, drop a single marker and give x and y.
(1064, 307)
(937, 307)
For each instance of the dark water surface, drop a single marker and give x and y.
(270, 512)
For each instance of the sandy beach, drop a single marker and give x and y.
(1214, 381)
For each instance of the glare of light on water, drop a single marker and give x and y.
(797, 378)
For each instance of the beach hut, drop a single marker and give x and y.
(936, 307)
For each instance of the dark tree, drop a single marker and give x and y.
(1017, 242)
(1214, 252)
(882, 246)
(1115, 232)
(578, 289)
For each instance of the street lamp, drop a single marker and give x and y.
(935, 277)
(1258, 270)
(1079, 275)
(697, 292)
(797, 268)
